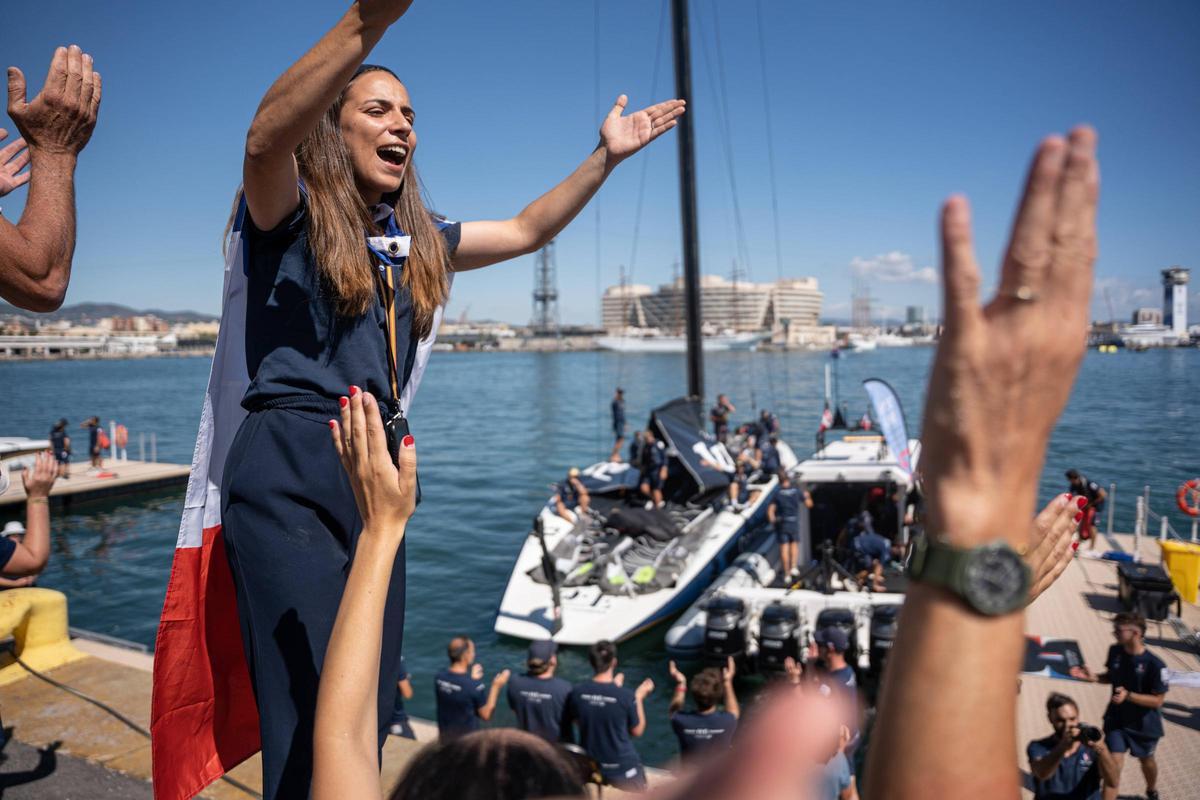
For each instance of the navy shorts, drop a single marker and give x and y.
(63, 457)
(1120, 740)
(653, 478)
(630, 778)
(787, 535)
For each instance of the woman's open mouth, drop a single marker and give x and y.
(394, 155)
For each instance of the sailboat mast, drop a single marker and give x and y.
(687, 198)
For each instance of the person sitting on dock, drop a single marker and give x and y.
(705, 728)
(719, 415)
(610, 717)
(60, 443)
(1083, 487)
(784, 513)
(1068, 763)
(538, 698)
(462, 700)
(572, 499)
(1133, 720)
(28, 556)
(399, 726)
(654, 469)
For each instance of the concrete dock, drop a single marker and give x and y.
(117, 478)
(64, 744)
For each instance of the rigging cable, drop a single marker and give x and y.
(637, 217)
(762, 62)
(596, 109)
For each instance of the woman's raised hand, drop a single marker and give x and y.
(1050, 542)
(1003, 371)
(41, 476)
(622, 136)
(385, 494)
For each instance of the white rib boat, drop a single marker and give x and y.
(614, 586)
(658, 343)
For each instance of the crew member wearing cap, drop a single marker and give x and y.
(610, 717)
(833, 674)
(538, 698)
(462, 700)
(572, 498)
(25, 549)
(706, 728)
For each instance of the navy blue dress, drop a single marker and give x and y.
(289, 518)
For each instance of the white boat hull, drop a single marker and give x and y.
(678, 344)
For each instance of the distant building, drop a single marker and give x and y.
(914, 315)
(1147, 316)
(1174, 313)
(726, 305)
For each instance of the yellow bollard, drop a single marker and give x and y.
(37, 621)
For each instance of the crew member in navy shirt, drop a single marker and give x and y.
(462, 700)
(572, 498)
(784, 513)
(399, 726)
(60, 443)
(768, 454)
(1065, 764)
(618, 417)
(538, 698)
(1133, 721)
(705, 728)
(833, 674)
(609, 718)
(654, 468)
(872, 552)
(720, 417)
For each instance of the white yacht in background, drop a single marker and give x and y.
(651, 340)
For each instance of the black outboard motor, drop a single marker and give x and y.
(725, 629)
(778, 637)
(841, 618)
(883, 635)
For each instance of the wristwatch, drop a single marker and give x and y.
(993, 579)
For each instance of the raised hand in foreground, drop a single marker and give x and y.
(1001, 377)
(61, 118)
(1049, 551)
(345, 740)
(14, 156)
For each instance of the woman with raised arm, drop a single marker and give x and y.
(347, 274)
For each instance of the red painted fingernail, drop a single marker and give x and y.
(343, 401)
(408, 441)
(1081, 502)
(1079, 516)
(332, 424)
(353, 391)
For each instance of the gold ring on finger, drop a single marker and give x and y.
(1022, 293)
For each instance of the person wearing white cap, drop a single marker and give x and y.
(27, 556)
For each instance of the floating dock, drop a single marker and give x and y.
(117, 478)
(89, 742)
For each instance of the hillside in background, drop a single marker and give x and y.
(87, 313)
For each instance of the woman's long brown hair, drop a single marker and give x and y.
(338, 218)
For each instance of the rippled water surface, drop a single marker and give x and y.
(494, 429)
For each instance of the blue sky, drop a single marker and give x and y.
(878, 111)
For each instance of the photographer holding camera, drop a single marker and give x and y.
(1072, 761)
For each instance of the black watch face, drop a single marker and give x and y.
(995, 579)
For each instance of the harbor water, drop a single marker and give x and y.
(494, 430)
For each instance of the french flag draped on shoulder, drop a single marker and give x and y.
(203, 718)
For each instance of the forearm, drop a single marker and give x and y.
(640, 728)
(1043, 768)
(1146, 700)
(35, 254)
(677, 699)
(489, 708)
(541, 220)
(37, 531)
(1109, 772)
(731, 701)
(346, 736)
(950, 754)
(295, 102)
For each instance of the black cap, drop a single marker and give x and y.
(833, 637)
(542, 650)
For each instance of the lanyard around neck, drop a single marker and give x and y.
(387, 294)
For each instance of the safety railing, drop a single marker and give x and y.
(1149, 522)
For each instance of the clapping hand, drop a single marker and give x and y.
(622, 136)
(1003, 371)
(1050, 543)
(675, 674)
(501, 677)
(644, 688)
(13, 158)
(41, 476)
(477, 671)
(728, 671)
(793, 670)
(60, 119)
(385, 494)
